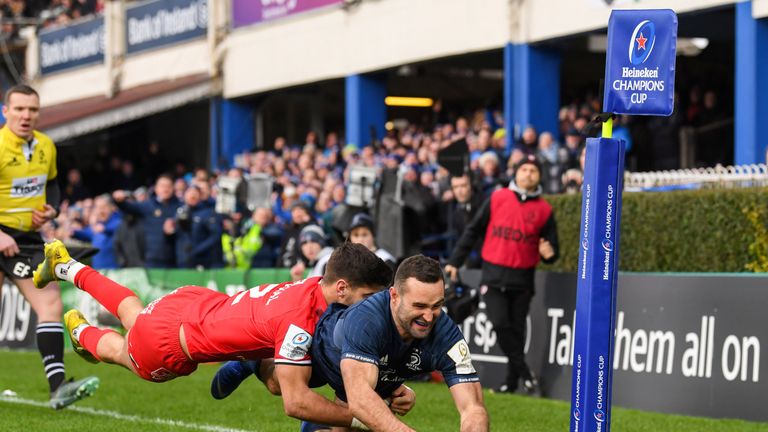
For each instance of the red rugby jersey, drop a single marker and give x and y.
(275, 320)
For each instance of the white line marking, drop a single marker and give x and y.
(127, 417)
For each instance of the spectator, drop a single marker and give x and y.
(528, 141)
(488, 173)
(239, 250)
(153, 214)
(197, 232)
(313, 247)
(128, 180)
(272, 236)
(75, 190)
(361, 230)
(289, 250)
(465, 201)
(573, 179)
(129, 242)
(573, 145)
(553, 161)
(100, 233)
(179, 186)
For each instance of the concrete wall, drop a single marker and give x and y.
(334, 42)
(556, 18)
(760, 8)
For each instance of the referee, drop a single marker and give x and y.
(29, 196)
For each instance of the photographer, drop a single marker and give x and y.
(197, 231)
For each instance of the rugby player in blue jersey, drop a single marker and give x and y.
(366, 351)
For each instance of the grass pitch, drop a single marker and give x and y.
(127, 403)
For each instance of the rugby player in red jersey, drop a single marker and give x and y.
(192, 324)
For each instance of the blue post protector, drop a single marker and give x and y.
(597, 277)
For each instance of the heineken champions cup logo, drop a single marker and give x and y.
(642, 42)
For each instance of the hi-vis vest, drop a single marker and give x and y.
(512, 236)
(22, 181)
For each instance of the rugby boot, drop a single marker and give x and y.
(72, 320)
(71, 391)
(55, 253)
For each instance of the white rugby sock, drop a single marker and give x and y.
(68, 270)
(76, 332)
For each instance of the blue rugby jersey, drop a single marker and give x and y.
(366, 332)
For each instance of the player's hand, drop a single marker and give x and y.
(43, 215)
(545, 249)
(403, 400)
(8, 246)
(452, 272)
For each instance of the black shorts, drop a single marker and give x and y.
(31, 254)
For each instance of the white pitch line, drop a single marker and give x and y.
(127, 417)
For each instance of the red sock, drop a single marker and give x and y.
(90, 337)
(106, 291)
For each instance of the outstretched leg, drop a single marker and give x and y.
(94, 344)
(117, 299)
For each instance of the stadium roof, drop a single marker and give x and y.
(76, 118)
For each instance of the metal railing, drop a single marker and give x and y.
(718, 177)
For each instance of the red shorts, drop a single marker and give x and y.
(153, 342)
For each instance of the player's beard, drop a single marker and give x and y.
(407, 322)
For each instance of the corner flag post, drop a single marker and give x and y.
(639, 79)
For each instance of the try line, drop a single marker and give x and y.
(127, 417)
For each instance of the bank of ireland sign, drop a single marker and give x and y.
(640, 62)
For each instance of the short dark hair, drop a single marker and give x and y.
(357, 265)
(21, 88)
(420, 267)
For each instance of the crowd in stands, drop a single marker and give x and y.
(43, 13)
(165, 216)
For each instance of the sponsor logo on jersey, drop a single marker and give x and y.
(28, 187)
(296, 343)
(301, 339)
(461, 357)
(415, 363)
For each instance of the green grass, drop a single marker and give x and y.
(251, 407)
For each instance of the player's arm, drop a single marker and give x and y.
(300, 402)
(460, 376)
(469, 401)
(50, 208)
(360, 379)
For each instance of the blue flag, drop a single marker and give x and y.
(640, 62)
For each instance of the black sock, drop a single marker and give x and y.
(50, 343)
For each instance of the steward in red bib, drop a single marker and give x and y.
(519, 230)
